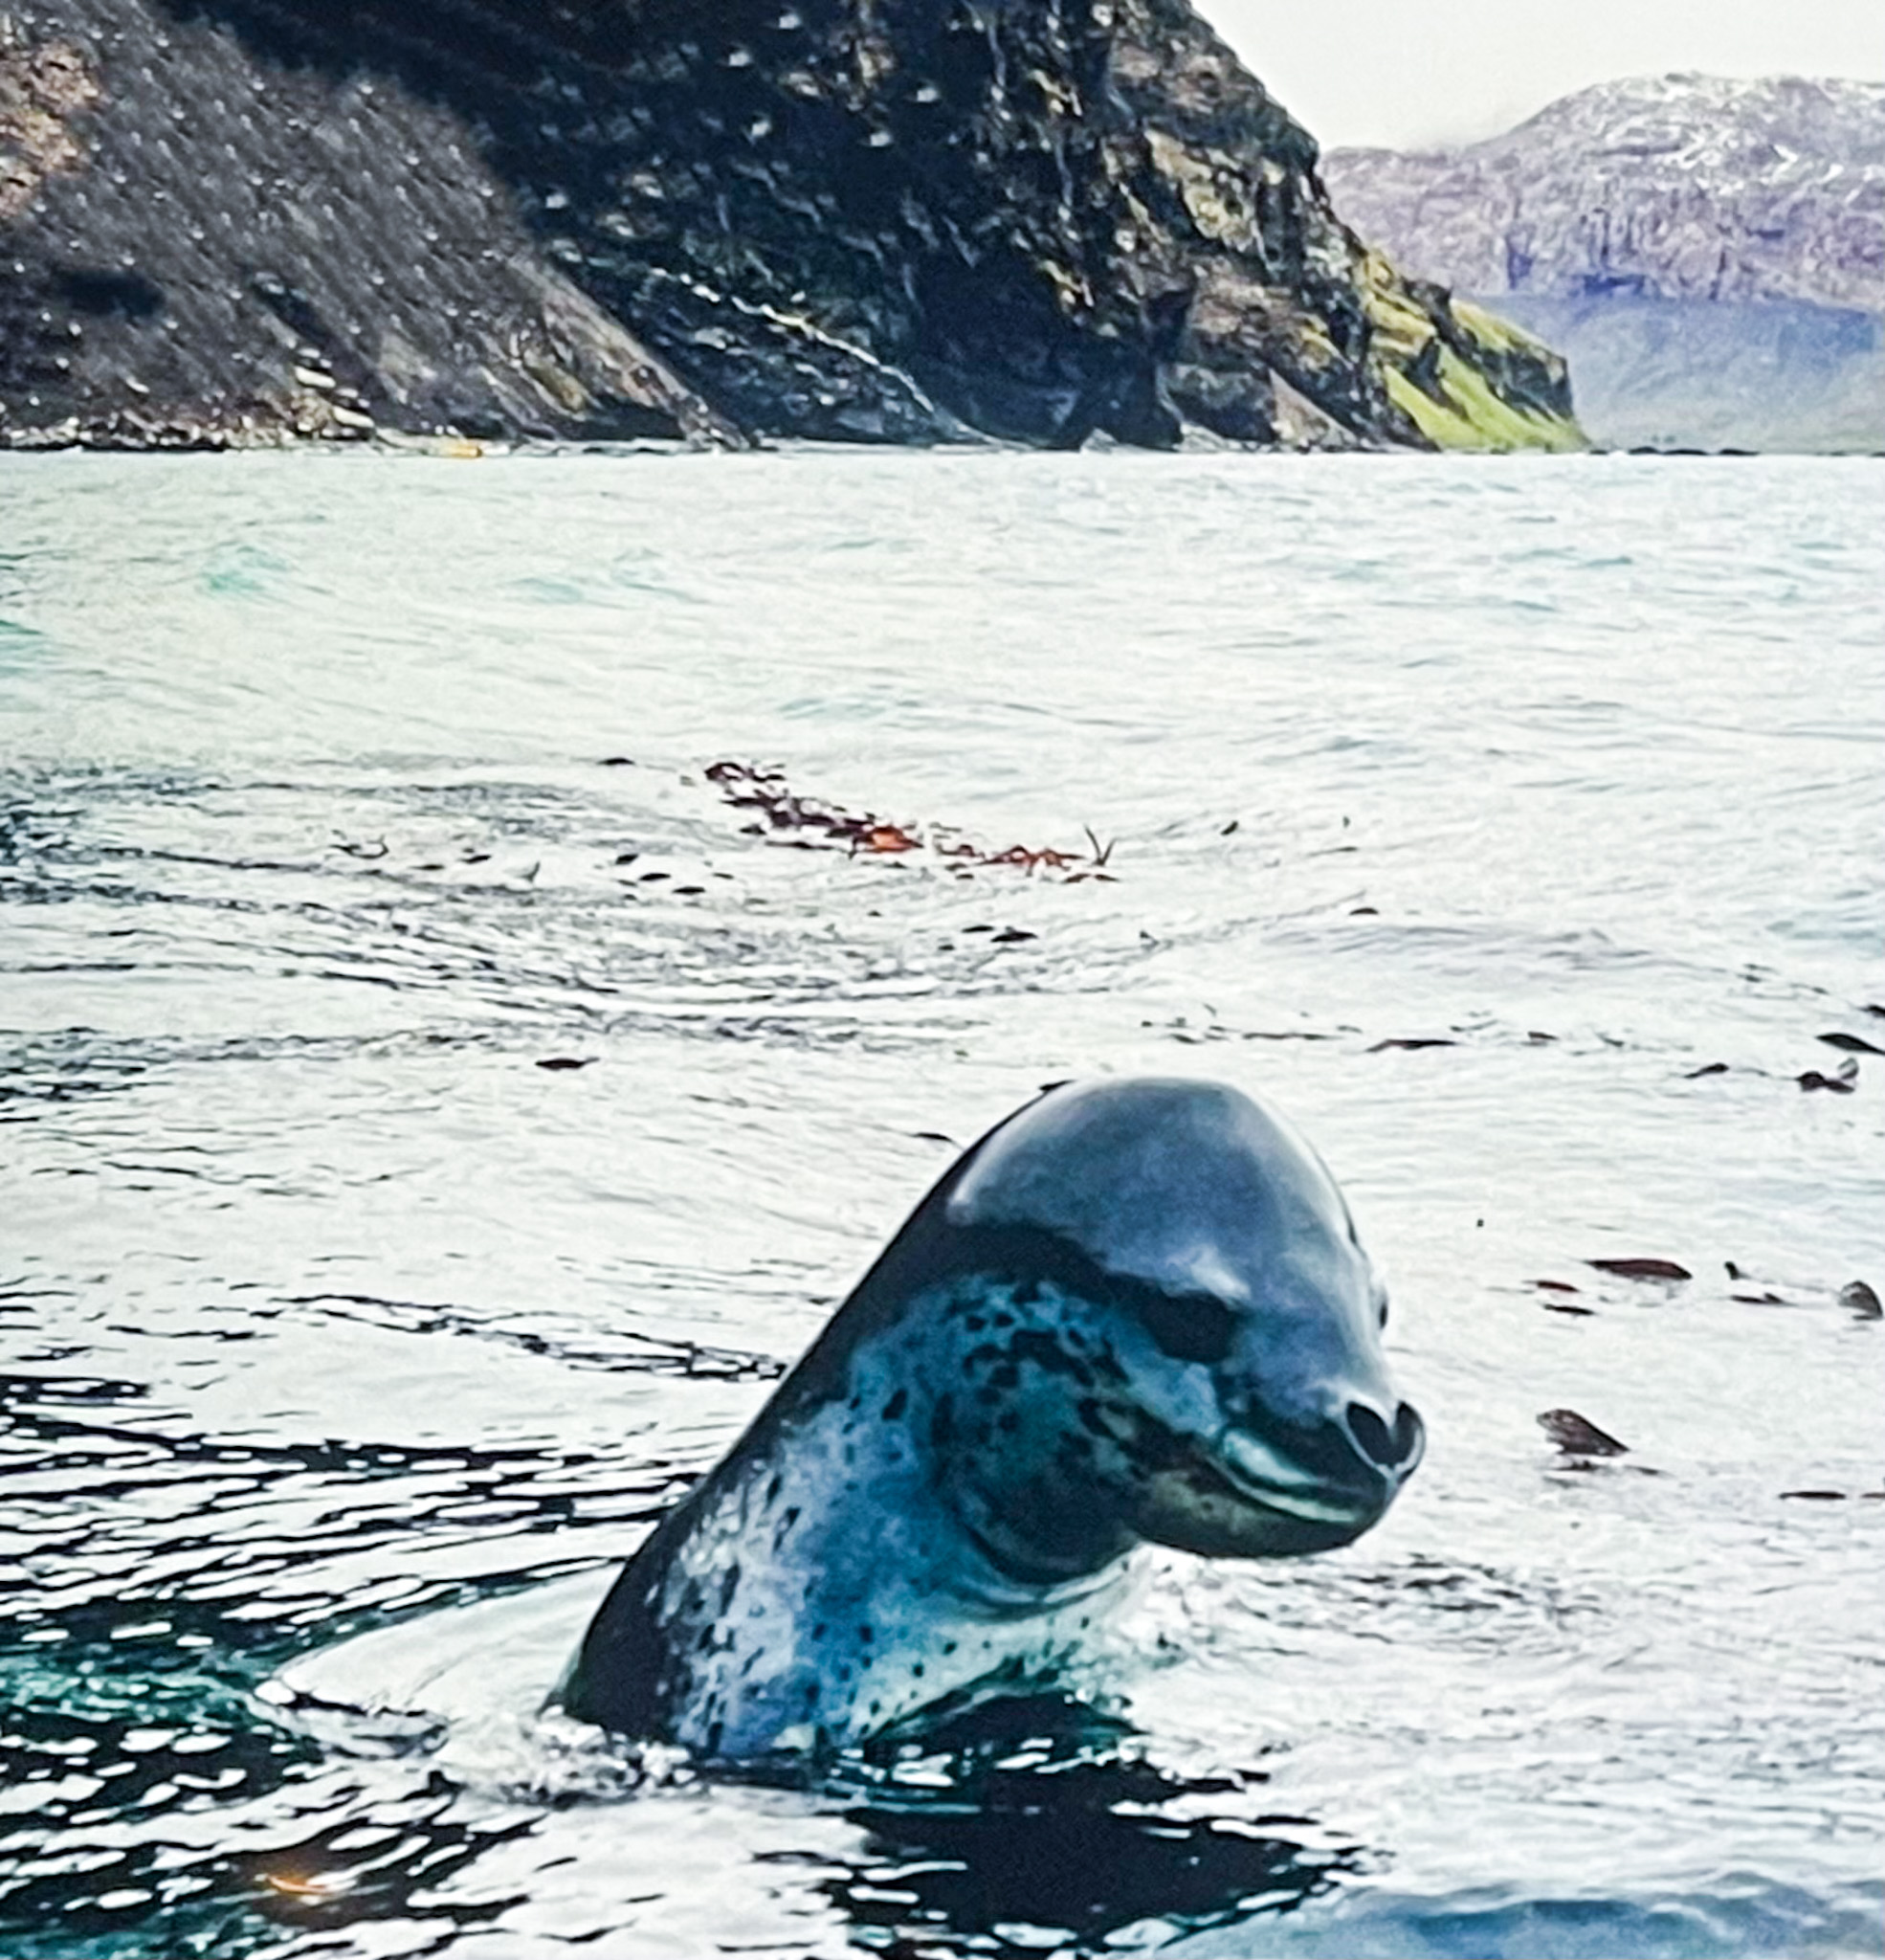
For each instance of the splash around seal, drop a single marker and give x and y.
(1134, 1311)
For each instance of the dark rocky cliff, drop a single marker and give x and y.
(882, 220)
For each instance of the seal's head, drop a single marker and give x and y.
(1167, 1330)
(1134, 1311)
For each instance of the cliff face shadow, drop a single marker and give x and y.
(829, 228)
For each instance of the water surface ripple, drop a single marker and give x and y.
(1514, 824)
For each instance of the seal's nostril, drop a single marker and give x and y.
(1409, 1433)
(1385, 1448)
(1372, 1436)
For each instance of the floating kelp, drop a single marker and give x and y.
(809, 823)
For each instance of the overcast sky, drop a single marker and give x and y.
(1389, 72)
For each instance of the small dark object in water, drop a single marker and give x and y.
(563, 1061)
(1642, 1269)
(618, 762)
(1818, 1496)
(1560, 1305)
(1229, 829)
(1364, 912)
(1011, 935)
(1841, 1084)
(627, 856)
(1733, 1271)
(1412, 1041)
(1852, 1044)
(1708, 1068)
(1577, 1437)
(1861, 1297)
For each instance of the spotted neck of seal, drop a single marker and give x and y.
(1034, 1429)
(1029, 1305)
(1010, 1304)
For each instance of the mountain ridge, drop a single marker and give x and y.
(1709, 254)
(1679, 186)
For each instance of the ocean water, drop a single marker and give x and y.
(1516, 825)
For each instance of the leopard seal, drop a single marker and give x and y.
(1136, 1310)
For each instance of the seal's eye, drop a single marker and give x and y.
(1188, 1327)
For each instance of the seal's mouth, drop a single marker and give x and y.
(1237, 1496)
(1262, 1474)
(1260, 1485)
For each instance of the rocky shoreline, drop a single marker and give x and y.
(242, 222)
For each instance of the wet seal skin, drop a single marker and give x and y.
(1136, 1311)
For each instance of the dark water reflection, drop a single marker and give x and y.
(341, 1820)
(1016, 1853)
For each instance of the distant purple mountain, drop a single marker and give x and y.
(1708, 254)
(1677, 187)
